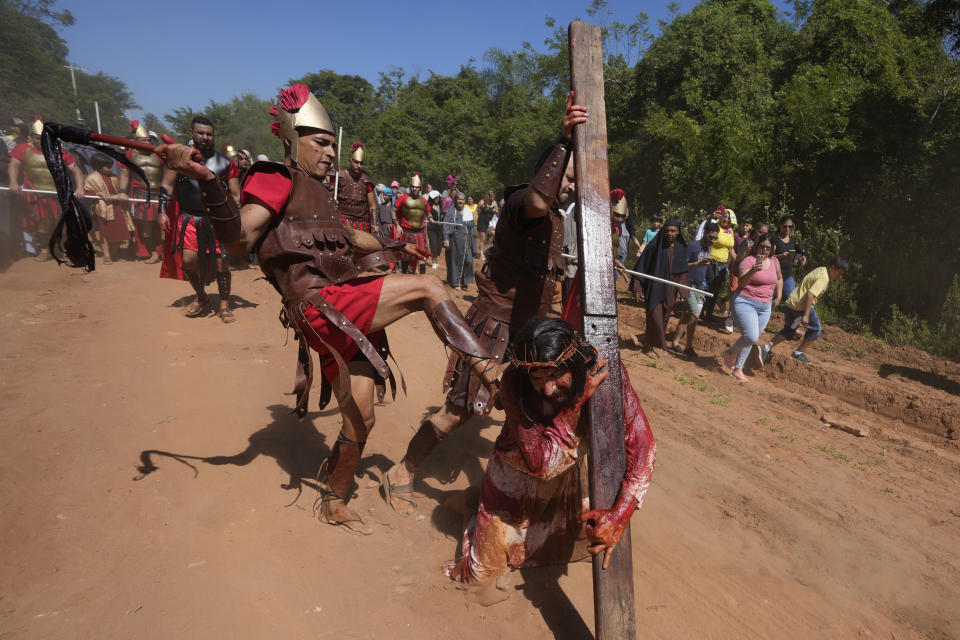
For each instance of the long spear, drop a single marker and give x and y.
(649, 277)
(336, 182)
(87, 197)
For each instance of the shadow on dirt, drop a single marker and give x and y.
(237, 302)
(542, 589)
(297, 447)
(935, 380)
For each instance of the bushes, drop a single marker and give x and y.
(904, 330)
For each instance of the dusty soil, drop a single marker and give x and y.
(154, 485)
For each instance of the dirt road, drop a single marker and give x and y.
(154, 485)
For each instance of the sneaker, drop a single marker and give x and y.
(434, 266)
(738, 376)
(762, 352)
(690, 353)
(728, 325)
(799, 355)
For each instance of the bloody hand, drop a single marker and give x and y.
(605, 527)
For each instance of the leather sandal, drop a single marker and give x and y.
(355, 526)
(398, 491)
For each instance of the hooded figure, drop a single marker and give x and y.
(665, 257)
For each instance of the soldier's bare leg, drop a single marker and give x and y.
(358, 420)
(191, 264)
(402, 295)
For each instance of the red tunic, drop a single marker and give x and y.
(39, 206)
(185, 228)
(356, 299)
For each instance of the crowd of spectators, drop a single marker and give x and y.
(738, 275)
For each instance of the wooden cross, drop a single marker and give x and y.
(612, 587)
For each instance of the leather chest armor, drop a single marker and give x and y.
(151, 166)
(308, 249)
(36, 169)
(414, 211)
(352, 197)
(188, 189)
(527, 261)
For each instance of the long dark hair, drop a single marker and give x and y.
(543, 339)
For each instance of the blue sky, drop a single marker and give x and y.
(181, 53)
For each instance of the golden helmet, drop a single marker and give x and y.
(137, 130)
(229, 151)
(415, 181)
(356, 152)
(296, 108)
(36, 127)
(619, 199)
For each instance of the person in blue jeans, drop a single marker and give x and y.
(799, 316)
(789, 253)
(759, 288)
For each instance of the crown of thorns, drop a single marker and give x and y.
(524, 361)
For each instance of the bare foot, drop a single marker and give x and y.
(334, 511)
(490, 592)
(197, 307)
(154, 259)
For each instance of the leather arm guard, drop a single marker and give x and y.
(547, 180)
(390, 244)
(222, 212)
(163, 199)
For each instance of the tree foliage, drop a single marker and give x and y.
(845, 113)
(33, 74)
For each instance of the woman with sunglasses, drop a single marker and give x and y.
(785, 250)
(760, 286)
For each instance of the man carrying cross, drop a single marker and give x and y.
(531, 510)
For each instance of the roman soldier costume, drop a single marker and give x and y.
(190, 228)
(145, 214)
(354, 194)
(413, 213)
(307, 255)
(41, 209)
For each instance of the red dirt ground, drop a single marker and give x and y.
(154, 485)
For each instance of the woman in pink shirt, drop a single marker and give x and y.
(758, 293)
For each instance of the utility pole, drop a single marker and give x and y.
(73, 81)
